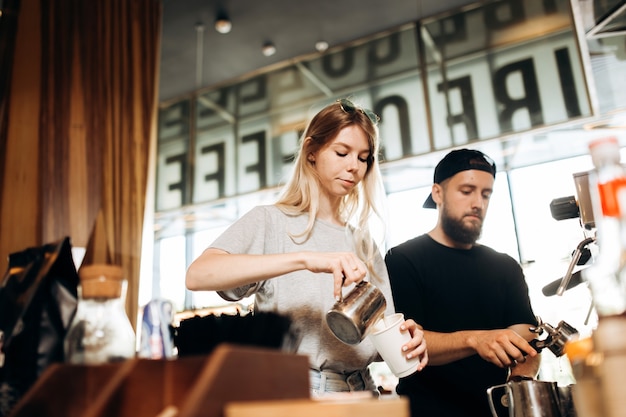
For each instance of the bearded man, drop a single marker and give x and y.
(472, 301)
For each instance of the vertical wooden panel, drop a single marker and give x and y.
(84, 167)
(8, 30)
(56, 80)
(21, 203)
(121, 109)
(71, 186)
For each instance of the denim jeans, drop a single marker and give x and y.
(327, 381)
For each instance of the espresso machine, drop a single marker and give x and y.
(533, 398)
(579, 206)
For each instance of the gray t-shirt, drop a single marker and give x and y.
(304, 296)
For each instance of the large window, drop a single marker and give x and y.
(526, 98)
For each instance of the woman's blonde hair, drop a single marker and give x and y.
(301, 193)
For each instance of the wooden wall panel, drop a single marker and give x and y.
(82, 119)
(20, 218)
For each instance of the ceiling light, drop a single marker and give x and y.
(321, 46)
(223, 23)
(268, 49)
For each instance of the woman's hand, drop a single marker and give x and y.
(416, 347)
(346, 268)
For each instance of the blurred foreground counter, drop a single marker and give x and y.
(335, 407)
(195, 386)
(231, 381)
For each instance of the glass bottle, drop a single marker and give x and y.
(607, 181)
(100, 331)
(607, 276)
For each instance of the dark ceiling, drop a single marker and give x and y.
(294, 26)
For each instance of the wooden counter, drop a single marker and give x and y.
(186, 387)
(369, 407)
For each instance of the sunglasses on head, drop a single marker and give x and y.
(349, 107)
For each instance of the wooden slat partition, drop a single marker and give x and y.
(65, 390)
(246, 374)
(195, 386)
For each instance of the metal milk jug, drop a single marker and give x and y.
(351, 319)
(529, 398)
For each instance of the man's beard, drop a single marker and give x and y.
(458, 231)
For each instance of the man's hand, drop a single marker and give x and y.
(416, 347)
(504, 348)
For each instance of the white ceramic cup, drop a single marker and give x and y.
(388, 340)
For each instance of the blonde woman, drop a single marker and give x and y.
(297, 254)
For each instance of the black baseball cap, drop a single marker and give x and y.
(457, 161)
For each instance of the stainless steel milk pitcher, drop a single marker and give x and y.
(351, 319)
(529, 398)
